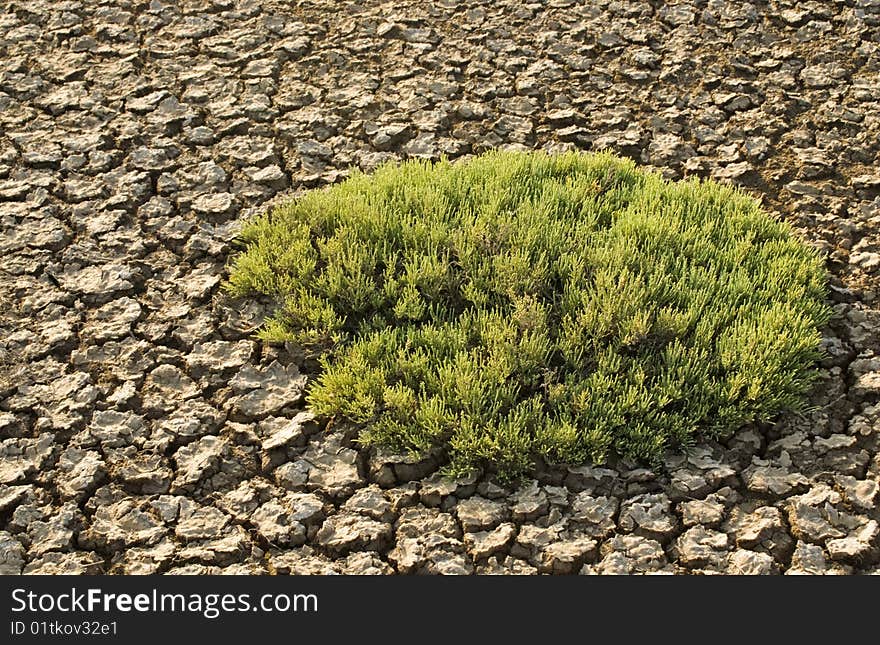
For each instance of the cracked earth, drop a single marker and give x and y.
(143, 430)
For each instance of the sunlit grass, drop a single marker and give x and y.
(523, 304)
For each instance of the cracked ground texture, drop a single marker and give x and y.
(143, 430)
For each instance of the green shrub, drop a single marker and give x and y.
(523, 304)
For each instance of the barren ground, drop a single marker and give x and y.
(142, 429)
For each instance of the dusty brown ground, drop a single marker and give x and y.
(142, 430)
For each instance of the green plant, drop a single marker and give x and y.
(525, 304)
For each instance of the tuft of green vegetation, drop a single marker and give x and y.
(523, 305)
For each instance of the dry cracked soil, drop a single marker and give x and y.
(143, 430)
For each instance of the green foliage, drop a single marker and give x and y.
(521, 305)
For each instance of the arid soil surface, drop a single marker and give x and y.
(143, 430)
